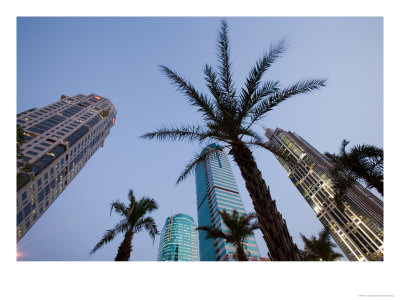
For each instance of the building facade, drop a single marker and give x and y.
(216, 190)
(178, 240)
(358, 229)
(58, 141)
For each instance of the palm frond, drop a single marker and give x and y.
(212, 233)
(363, 164)
(148, 224)
(195, 98)
(212, 82)
(147, 204)
(268, 88)
(213, 136)
(262, 65)
(343, 147)
(110, 234)
(250, 133)
(119, 207)
(368, 153)
(225, 66)
(188, 133)
(254, 78)
(319, 249)
(198, 158)
(277, 151)
(300, 87)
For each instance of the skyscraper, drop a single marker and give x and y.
(216, 190)
(59, 140)
(358, 229)
(178, 241)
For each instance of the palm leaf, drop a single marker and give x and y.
(300, 87)
(119, 207)
(195, 98)
(110, 234)
(149, 225)
(212, 82)
(180, 133)
(225, 66)
(198, 158)
(212, 233)
(248, 100)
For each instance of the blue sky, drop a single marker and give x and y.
(119, 58)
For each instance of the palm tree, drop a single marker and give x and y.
(228, 119)
(320, 249)
(239, 228)
(363, 163)
(134, 220)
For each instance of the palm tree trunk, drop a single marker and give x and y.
(273, 227)
(241, 256)
(125, 249)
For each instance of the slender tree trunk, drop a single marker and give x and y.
(241, 255)
(125, 249)
(272, 225)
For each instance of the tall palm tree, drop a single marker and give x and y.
(134, 220)
(239, 226)
(363, 163)
(320, 249)
(228, 119)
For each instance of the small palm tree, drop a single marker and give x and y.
(320, 249)
(229, 117)
(134, 220)
(239, 228)
(363, 163)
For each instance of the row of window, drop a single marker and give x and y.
(46, 124)
(42, 163)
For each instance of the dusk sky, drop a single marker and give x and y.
(119, 58)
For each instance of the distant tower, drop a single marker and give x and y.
(59, 140)
(178, 241)
(359, 229)
(217, 190)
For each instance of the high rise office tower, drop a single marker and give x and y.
(216, 190)
(59, 139)
(358, 229)
(178, 240)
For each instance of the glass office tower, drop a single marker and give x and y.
(358, 229)
(216, 190)
(59, 140)
(178, 241)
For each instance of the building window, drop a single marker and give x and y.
(19, 218)
(40, 196)
(27, 209)
(45, 144)
(32, 153)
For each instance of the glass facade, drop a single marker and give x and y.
(358, 229)
(216, 190)
(69, 132)
(178, 241)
